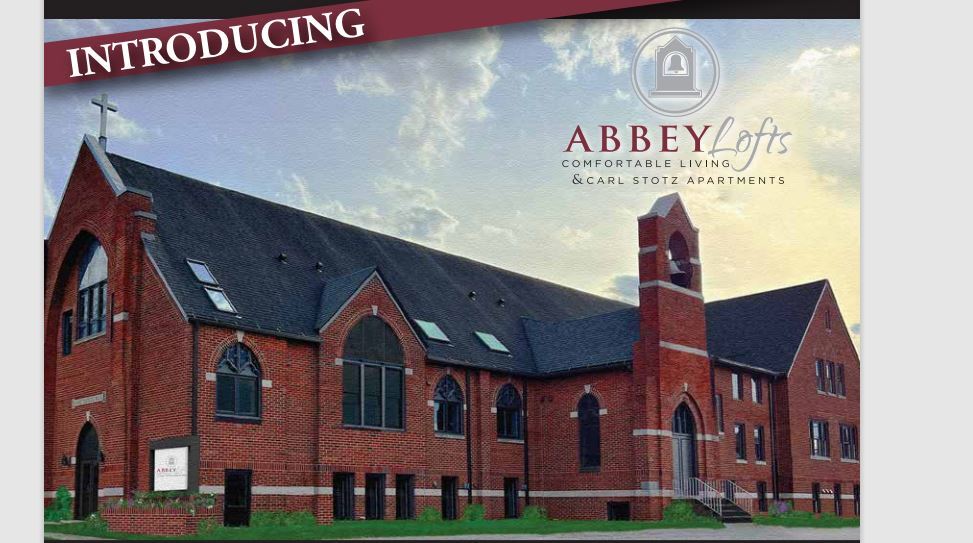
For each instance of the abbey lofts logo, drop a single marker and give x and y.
(675, 72)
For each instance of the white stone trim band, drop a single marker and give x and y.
(97, 398)
(683, 348)
(649, 249)
(672, 287)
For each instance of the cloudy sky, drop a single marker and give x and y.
(454, 141)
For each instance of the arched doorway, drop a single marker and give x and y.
(86, 472)
(683, 449)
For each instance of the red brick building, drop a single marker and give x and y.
(198, 338)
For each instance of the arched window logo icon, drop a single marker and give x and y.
(675, 72)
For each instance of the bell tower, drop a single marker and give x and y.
(672, 366)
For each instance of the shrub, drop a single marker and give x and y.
(534, 512)
(474, 511)
(60, 508)
(207, 525)
(430, 514)
(167, 500)
(94, 523)
(678, 511)
(282, 518)
(780, 507)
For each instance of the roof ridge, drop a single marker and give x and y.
(576, 319)
(370, 231)
(763, 292)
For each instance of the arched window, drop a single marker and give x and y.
(92, 287)
(589, 432)
(680, 268)
(238, 383)
(509, 413)
(448, 406)
(372, 384)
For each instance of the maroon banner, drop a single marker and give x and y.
(129, 53)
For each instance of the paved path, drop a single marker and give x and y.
(731, 532)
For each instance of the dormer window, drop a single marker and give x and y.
(680, 269)
(92, 291)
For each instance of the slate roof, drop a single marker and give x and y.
(549, 328)
(765, 329)
(240, 236)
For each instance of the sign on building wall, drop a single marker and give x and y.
(171, 469)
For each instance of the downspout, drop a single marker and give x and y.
(194, 384)
(773, 441)
(469, 441)
(526, 450)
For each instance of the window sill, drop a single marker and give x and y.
(761, 462)
(510, 440)
(742, 461)
(238, 419)
(849, 460)
(822, 458)
(449, 436)
(372, 428)
(86, 339)
(596, 469)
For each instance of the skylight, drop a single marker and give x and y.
(219, 299)
(432, 331)
(492, 342)
(201, 271)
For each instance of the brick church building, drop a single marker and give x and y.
(200, 339)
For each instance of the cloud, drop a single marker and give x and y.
(409, 212)
(50, 201)
(120, 127)
(445, 81)
(624, 287)
(60, 29)
(598, 43)
(572, 237)
(856, 328)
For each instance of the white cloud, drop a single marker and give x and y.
(409, 212)
(120, 127)
(60, 29)
(624, 287)
(445, 80)
(506, 234)
(572, 237)
(599, 43)
(50, 201)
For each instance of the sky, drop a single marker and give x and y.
(455, 141)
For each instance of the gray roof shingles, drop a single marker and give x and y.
(548, 328)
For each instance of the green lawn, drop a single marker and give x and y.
(800, 519)
(405, 528)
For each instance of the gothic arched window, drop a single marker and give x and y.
(509, 413)
(238, 383)
(92, 289)
(372, 384)
(589, 432)
(448, 406)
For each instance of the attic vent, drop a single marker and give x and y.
(501, 302)
(472, 295)
(319, 266)
(282, 257)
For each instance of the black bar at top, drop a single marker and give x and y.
(222, 9)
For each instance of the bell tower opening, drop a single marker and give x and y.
(680, 268)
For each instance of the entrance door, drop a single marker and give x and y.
(450, 494)
(86, 472)
(236, 500)
(510, 501)
(683, 450)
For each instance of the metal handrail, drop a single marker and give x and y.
(696, 489)
(735, 493)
